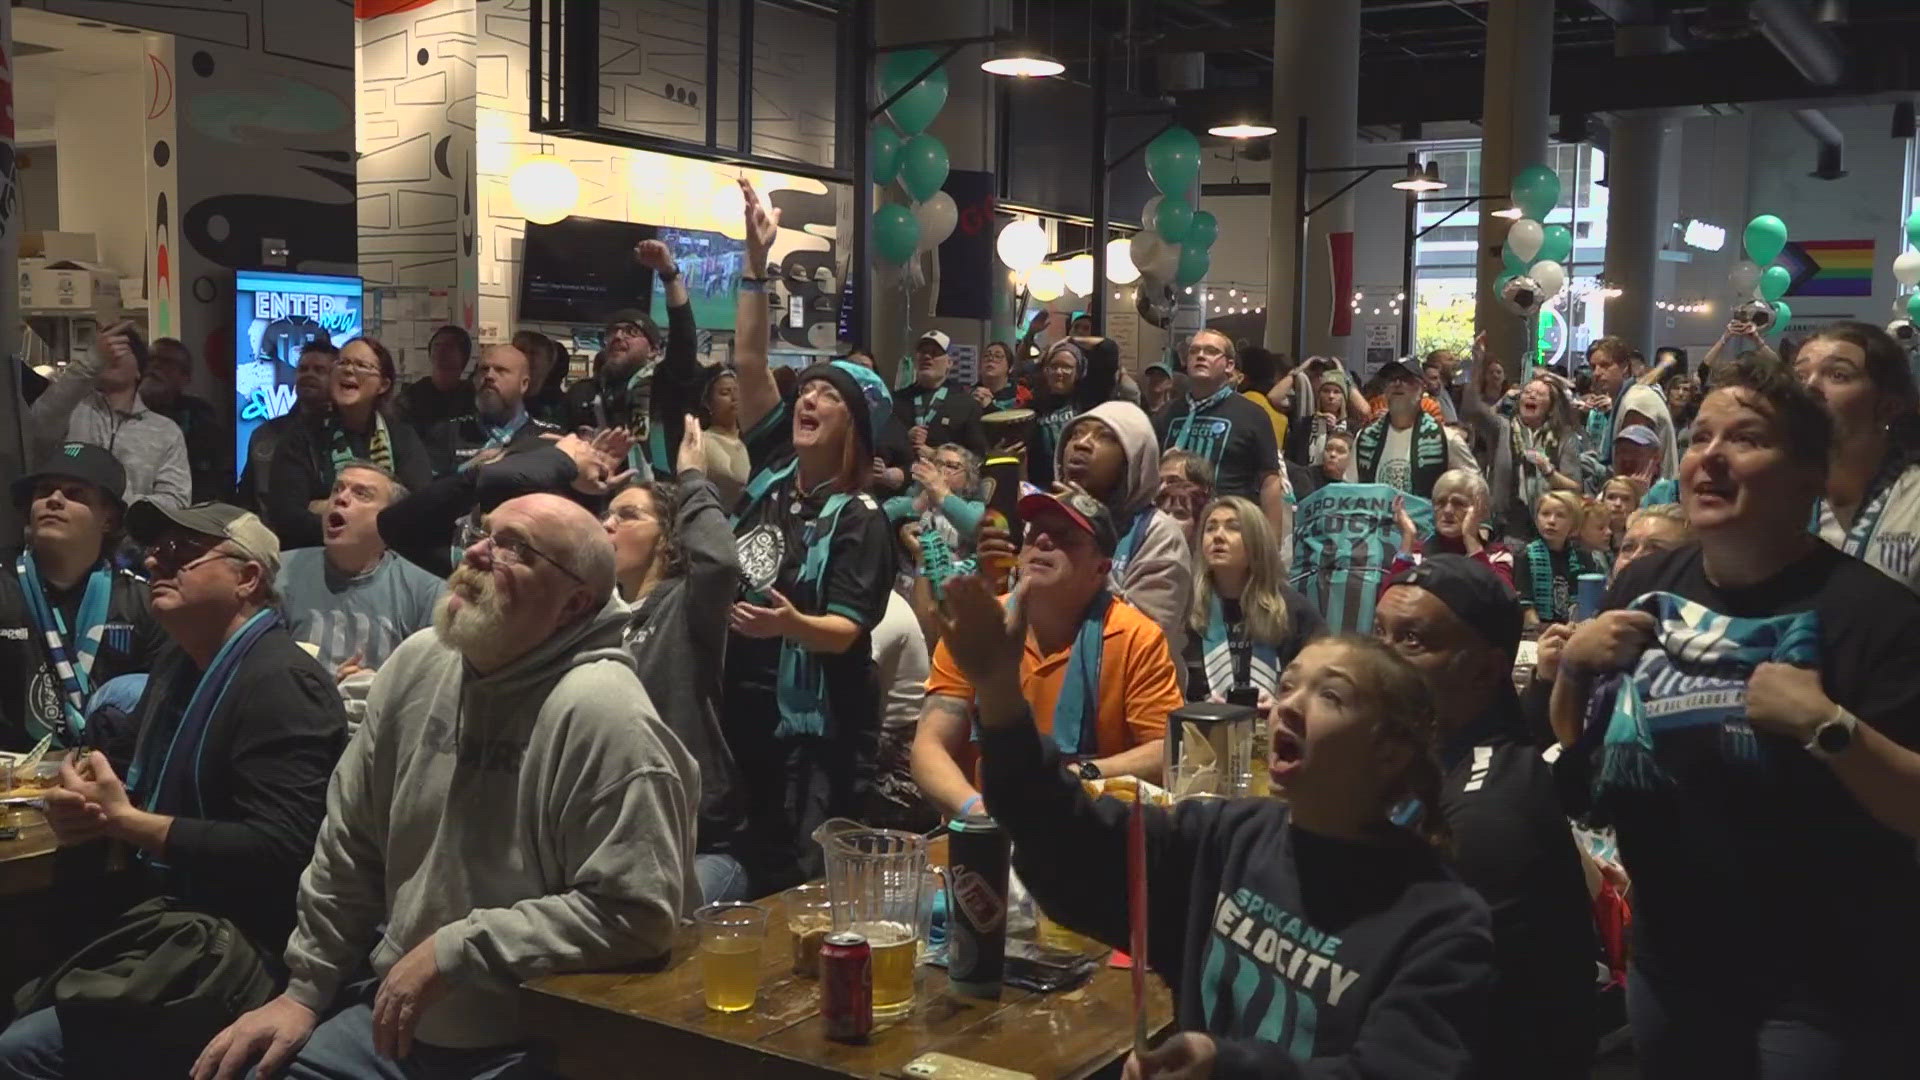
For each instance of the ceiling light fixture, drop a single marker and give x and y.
(1243, 129)
(1022, 62)
(1419, 179)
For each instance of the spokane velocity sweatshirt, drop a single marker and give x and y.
(1304, 956)
(534, 820)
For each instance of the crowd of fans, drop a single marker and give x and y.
(492, 676)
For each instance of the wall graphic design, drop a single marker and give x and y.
(163, 194)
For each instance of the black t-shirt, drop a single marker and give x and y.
(792, 782)
(129, 641)
(453, 443)
(1233, 433)
(425, 404)
(948, 412)
(1772, 881)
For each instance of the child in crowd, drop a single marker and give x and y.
(1547, 570)
(1620, 496)
(1336, 451)
(1596, 530)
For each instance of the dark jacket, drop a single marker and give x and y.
(421, 528)
(260, 779)
(678, 378)
(29, 688)
(302, 471)
(1286, 945)
(949, 412)
(451, 443)
(209, 446)
(678, 636)
(423, 404)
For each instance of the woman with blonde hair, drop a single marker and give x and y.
(1247, 622)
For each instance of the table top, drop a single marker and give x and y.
(601, 1023)
(26, 864)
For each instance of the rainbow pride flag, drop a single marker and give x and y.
(1829, 267)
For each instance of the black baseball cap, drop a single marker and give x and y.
(1083, 510)
(1400, 367)
(82, 461)
(1473, 592)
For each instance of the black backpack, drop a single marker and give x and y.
(167, 975)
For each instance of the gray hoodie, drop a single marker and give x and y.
(1156, 576)
(534, 820)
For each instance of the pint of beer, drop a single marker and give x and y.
(894, 955)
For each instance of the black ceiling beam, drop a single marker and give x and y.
(1394, 91)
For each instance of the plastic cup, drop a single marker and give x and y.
(731, 939)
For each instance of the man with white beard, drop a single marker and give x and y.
(511, 807)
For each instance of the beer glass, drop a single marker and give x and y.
(731, 938)
(809, 921)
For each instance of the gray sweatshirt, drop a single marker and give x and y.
(535, 820)
(149, 446)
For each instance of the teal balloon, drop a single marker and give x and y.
(1764, 238)
(1173, 161)
(923, 166)
(896, 233)
(1204, 231)
(1781, 313)
(1174, 220)
(1512, 260)
(1773, 283)
(1913, 307)
(1913, 229)
(1194, 264)
(1500, 282)
(1556, 244)
(918, 106)
(883, 153)
(1536, 190)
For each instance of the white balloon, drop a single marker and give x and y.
(1525, 238)
(1150, 215)
(1144, 249)
(1079, 274)
(1045, 283)
(1745, 277)
(1906, 267)
(937, 217)
(1166, 262)
(1551, 276)
(1120, 265)
(1022, 245)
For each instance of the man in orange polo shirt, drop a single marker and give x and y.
(1096, 672)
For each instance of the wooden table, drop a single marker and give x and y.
(614, 1023)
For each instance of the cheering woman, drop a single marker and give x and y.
(1247, 623)
(1871, 506)
(357, 427)
(801, 708)
(1310, 937)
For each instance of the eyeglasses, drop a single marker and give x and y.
(627, 515)
(517, 549)
(178, 554)
(626, 328)
(1205, 350)
(357, 367)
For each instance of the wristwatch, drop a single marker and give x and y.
(1833, 737)
(669, 274)
(1088, 770)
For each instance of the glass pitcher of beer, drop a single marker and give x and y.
(875, 878)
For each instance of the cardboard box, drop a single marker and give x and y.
(60, 246)
(68, 286)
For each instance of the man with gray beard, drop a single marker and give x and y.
(511, 807)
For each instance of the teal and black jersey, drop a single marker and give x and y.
(1232, 433)
(1344, 543)
(1287, 946)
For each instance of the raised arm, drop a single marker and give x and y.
(759, 394)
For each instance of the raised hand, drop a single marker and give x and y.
(693, 446)
(763, 224)
(986, 639)
(654, 255)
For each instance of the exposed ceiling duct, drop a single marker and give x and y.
(1832, 143)
(1806, 44)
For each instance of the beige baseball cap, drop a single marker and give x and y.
(146, 521)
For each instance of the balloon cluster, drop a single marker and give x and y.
(918, 160)
(1173, 246)
(1535, 255)
(1906, 270)
(1757, 291)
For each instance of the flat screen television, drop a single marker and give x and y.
(275, 313)
(581, 270)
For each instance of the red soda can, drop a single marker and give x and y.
(846, 986)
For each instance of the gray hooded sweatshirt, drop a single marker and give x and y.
(535, 820)
(1153, 570)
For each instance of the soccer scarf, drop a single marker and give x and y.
(1076, 712)
(1540, 577)
(928, 406)
(801, 691)
(1428, 453)
(1179, 431)
(154, 784)
(1860, 536)
(648, 452)
(1130, 543)
(379, 446)
(497, 436)
(74, 665)
(1234, 657)
(1693, 677)
(1533, 482)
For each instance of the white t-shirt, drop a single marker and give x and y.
(1891, 544)
(1396, 466)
